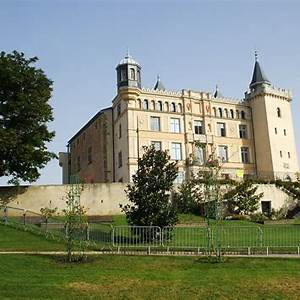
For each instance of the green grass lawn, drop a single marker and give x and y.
(129, 277)
(16, 240)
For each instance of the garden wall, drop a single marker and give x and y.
(100, 198)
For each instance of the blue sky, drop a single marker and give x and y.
(191, 44)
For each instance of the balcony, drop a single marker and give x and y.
(203, 138)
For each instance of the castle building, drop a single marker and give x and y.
(252, 137)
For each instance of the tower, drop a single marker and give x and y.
(128, 73)
(274, 141)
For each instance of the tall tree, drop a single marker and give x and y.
(25, 91)
(150, 192)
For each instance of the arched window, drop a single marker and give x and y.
(138, 75)
(139, 103)
(179, 107)
(243, 115)
(132, 74)
(237, 114)
(173, 107)
(152, 104)
(220, 112)
(215, 111)
(146, 105)
(226, 112)
(159, 106)
(166, 106)
(231, 114)
(278, 112)
(123, 74)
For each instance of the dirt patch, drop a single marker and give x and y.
(289, 287)
(115, 286)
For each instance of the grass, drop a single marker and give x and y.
(128, 277)
(16, 240)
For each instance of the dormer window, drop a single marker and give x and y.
(278, 112)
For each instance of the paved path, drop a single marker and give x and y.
(138, 253)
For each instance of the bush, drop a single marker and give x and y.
(237, 217)
(258, 218)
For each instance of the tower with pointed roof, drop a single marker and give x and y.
(274, 142)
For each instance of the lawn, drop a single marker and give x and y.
(142, 277)
(17, 240)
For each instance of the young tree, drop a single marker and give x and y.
(24, 112)
(243, 199)
(75, 221)
(150, 191)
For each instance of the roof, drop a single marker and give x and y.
(128, 59)
(258, 75)
(78, 133)
(159, 85)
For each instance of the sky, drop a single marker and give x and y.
(190, 44)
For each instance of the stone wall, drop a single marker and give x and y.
(100, 198)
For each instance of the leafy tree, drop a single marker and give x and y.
(243, 199)
(24, 111)
(189, 197)
(150, 191)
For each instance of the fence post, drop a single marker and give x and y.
(6, 215)
(24, 216)
(87, 232)
(260, 236)
(66, 231)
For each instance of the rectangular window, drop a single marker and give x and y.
(120, 162)
(78, 163)
(275, 130)
(157, 145)
(284, 131)
(221, 130)
(89, 155)
(289, 155)
(176, 151)
(180, 177)
(198, 127)
(120, 131)
(243, 131)
(223, 153)
(119, 109)
(199, 155)
(245, 155)
(155, 123)
(175, 125)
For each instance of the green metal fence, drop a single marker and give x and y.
(234, 239)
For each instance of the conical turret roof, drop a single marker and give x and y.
(217, 93)
(258, 76)
(159, 85)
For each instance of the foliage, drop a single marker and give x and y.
(243, 198)
(48, 212)
(24, 112)
(150, 192)
(258, 218)
(76, 223)
(189, 197)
